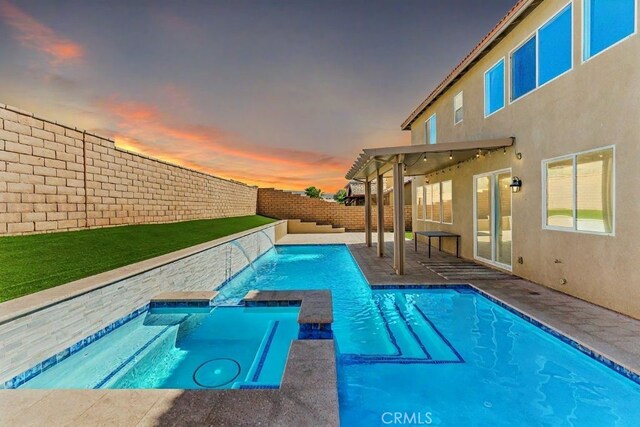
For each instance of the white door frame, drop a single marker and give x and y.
(492, 175)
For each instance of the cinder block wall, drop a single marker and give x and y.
(54, 177)
(284, 205)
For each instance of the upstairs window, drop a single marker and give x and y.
(430, 129)
(554, 47)
(523, 69)
(606, 22)
(545, 56)
(457, 108)
(494, 89)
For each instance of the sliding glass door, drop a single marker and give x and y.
(492, 218)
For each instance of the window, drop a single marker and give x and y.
(438, 201)
(430, 128)
(606, 22)
(523, 69)
(457, 108)
(494, 89)
(428, 216)
(579, 192)
(545, 56)
(554, 47)
(447, 202)
(420, 203)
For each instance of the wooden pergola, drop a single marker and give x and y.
(411, 160)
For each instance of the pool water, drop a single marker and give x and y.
(442, 356)
(183, 348)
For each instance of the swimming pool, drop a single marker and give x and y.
(442, 356)
(183, 348)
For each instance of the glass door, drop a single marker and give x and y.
(492, 218)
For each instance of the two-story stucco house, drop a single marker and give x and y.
(529, 150)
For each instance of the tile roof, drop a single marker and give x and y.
(506, 24)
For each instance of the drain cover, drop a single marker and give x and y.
(216, 373)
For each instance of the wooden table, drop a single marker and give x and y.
(439, 235)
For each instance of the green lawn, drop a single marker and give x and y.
(32, 263)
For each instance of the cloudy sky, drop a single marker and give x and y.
(272, 93)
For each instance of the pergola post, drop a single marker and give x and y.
(398, 216)
(367, 212)
(380, 219)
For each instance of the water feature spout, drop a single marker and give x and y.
(244, 252)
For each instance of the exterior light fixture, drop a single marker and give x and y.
(424, 159)
(450, 155)
(516, 183)
(504, 150)
(478, 154)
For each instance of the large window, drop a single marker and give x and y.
(457, 108)
(494, 89)
(606, 22)
(545, 56)
(579, 192)
(430, 130)
(438, 202)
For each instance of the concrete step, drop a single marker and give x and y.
(296, 226)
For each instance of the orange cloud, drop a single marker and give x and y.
(143, 128)
(36, 35)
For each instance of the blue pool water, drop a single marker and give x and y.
(444, 357)
(183, 348)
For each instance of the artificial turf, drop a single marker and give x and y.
(32, 263)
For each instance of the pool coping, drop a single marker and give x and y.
(28, 304)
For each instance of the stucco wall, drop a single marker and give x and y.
(594, 105)
(284, 205)
(55, 178)
(33, 338)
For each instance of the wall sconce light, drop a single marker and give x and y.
(516, 183)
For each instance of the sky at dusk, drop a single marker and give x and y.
(272, 93)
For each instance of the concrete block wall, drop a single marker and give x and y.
(54, 177)
(284, 205)
(30, 339)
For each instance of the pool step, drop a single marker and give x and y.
(414, 336)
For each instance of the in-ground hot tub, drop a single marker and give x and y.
(183, 348)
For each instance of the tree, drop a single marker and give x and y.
(340, 196)
(313, 192)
